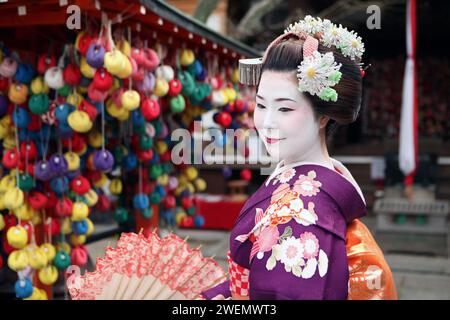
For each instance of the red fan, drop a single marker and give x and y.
(147, 268)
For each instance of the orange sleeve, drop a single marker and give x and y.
(370, 275)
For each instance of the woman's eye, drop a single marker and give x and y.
(260, 106)
(285, 109)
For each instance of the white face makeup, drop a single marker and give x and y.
(284, 118)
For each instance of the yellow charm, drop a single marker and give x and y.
(49, 250)
(17, 237)
(80, 211)
(48, 275)
(18, 260)
(37, 258)
(13, 198)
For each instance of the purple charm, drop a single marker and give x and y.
(95, 56)
(43, 171)
(103, 160)
(58, 164)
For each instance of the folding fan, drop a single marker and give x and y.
(143, 268)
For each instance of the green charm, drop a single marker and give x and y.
(177, 104)
(65, 90)
(62, 260)
(145, 142)
(155, 171)
(155, 198)
(187, 82)
(39, 103)
(26, 182)
(147, 213)
(190, 211)
(120, 215)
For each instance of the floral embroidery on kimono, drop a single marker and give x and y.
(285, 205)
(285, 176)
(302, 256)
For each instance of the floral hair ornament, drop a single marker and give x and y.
(317, 73)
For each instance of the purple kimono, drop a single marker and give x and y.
(289, 239)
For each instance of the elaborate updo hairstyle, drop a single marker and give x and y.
(287, 55)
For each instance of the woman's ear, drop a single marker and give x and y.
(323, 120)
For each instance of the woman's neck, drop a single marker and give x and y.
(318, 153)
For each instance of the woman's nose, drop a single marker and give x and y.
(270, 121)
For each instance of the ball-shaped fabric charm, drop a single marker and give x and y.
(43, 170)
(62, 111)
(72, 75)
(39, 103)
(58, 164)
(18, 260)
(161, 87)
(13, 198)
(17, 93)
(140, 201)
(79, 121)
(91, 198)
(80, 185)
(166, 72)
(26, 182)
(62, 260)
(49, 250)
(150, 109)
(199, 221)
(155, 198)
(79, 256)
(23, 288)
(17, 237)
(103, 160)
(21, 118)
(177, 104)
(73, 160)
(200, 185)
(59, 185)
(130, 100)
(115, 187)
(246, 174)
(10, 159)
(80, 227)
(174, 87)
(187, 222)
(187, 83)
(80, 211)
(52, 226)
(187, 57)
(37, 258)
(129, 162)
(95, 55)
(191, 173)
(48, 275)
(120, 215)
(64, 207)
(145, 142)
(102, 80)
(147, 213)
(114, 61)
(54, 78)
(103, 204)
(45, 61)
(37, 200)
(77, 240)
